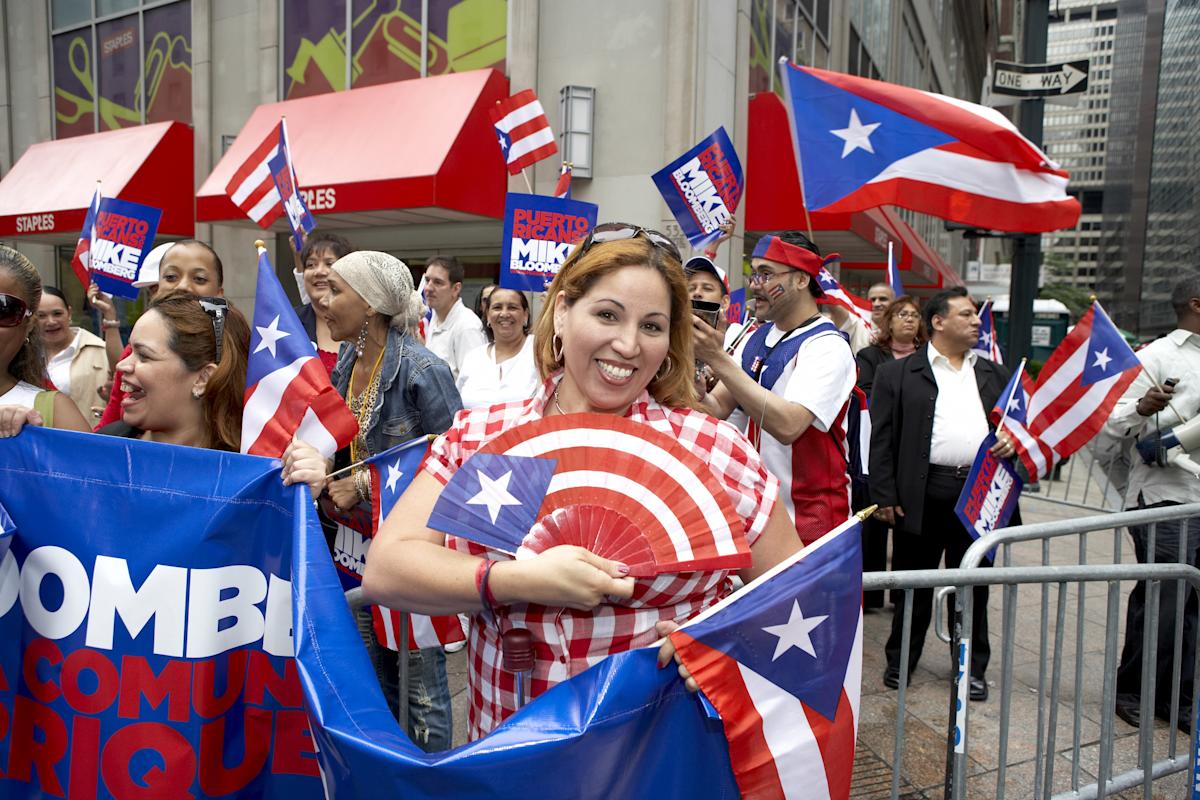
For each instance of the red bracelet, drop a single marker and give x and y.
(486, 598)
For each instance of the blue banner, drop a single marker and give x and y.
(990, 494)
(145, 622)
(539, 233)
(124, 235)
(703, 187)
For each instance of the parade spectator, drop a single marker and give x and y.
(881, 296)
(929, 415)
(794, 382)
(188, 266)
(504, 368)
(613, 338)
(398, 391)
(481, 302)
(707, 282)
(76, 359)
(23, 379)
(320, 252)
(854, 329)
(1153, 404)
(454, 330)
(901, 332)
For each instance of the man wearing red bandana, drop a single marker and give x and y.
(794, 382)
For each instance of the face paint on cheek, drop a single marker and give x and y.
(775, 291)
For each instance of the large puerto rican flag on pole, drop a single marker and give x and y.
(287, 388)
(863, 143)
(781, 661)
(523, 130)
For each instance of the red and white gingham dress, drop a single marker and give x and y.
(567, 642)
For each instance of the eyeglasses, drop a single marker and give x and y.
(764, 275)
(13, 311)
(908, 315)
(216, 308)
(619, 231)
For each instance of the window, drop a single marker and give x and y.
(330, 45)
(118, 63)
(797, 29)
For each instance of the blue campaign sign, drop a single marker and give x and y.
(146, 623)
(703, 187)
(539, 233)
(124, 234)
(990, 494)
(737, 306)
(299, 219)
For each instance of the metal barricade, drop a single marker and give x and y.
(1095, 478)
(965, 754)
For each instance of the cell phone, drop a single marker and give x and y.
(707, 310)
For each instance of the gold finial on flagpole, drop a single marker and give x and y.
(1091, 298)
(866, 512)
(259, 243)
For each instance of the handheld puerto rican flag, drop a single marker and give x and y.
(863, 143)
(523, 131)
(1080, 383)
(284, 175)
(391, 473)
(1011, 413)
(81, 261)
(893, 272)
(987, 346)
(836, 294)
(287, 389)
(781, 661)
(562, 189)
(252, 187)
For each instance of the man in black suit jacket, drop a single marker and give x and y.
(929, 414)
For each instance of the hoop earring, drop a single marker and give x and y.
(662, 373)
(361, 344)
(556, 349)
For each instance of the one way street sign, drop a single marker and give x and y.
(1039, 80)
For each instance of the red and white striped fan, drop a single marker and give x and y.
(627, 492)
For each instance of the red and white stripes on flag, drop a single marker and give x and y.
(523, 130)
(562, 189)
(423, 631)
(252, 189)
(295, 399)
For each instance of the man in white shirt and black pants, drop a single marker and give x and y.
(454, 330)
(1145, 410)
(929, 415)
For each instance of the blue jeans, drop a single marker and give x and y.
(430, 724)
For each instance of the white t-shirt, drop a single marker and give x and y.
(20, 395)
(450, 339)
(483, 382)
(59, 367)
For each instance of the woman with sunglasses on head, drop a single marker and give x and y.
(23, 379)
(503, 369)
(613, 338)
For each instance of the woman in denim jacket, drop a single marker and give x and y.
(398, 391)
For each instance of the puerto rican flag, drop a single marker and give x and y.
(562, 189)
(836, 295)
(81, 261)
(287, 389)
(1011, 413)
(1081, 382)
(391, 472)
(987, 346)
(781, 661)
(252, 188)
(893, 272)
(863, 143)
(523, 130)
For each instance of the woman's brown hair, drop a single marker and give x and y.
(29, 364)
(579, 273)
(884, 337)
(193, 339)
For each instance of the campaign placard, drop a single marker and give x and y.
(703, 187)
(737, 306)
(990, 494)
(539, 233)
(299, 219)
(124, 234)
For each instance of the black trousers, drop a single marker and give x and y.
(1129, 673)
(941, 533)
(874, 544)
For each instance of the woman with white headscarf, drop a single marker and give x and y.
(398, 391)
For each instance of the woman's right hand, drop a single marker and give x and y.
(14, 418)
(343, 493)
(566, 576)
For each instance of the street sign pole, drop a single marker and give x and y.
(1027, 248)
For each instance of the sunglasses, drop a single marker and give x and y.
(216, 308)
(619, 231)
(13, 311)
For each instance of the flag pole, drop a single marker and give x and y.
(429, 437)
(528, 185)
(1016, 388)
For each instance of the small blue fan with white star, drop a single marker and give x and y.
(494, 500)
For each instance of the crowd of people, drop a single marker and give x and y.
(773, 406)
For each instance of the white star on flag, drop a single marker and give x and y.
(270, 335)
(1102, 359)
(1014, 403)
(987, 338)
(493, 493)
(394, 474)
(856, 135)
(796, 632)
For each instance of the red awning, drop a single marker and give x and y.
(411, 151)
(45, 196)
(774, 202)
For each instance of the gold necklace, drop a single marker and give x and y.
(362, 405)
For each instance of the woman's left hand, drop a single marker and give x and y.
(14, 418)
(667, 653)
(343, 493)
(303, 464)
